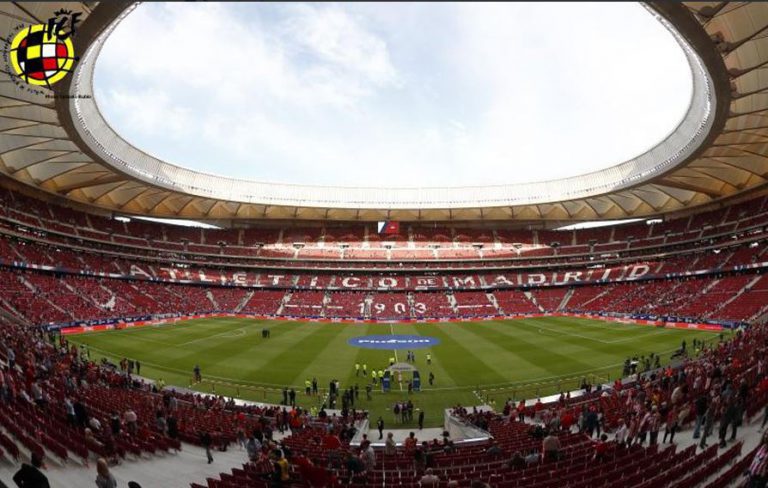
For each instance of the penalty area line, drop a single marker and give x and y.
(220, 334)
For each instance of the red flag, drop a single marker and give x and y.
(391, 227)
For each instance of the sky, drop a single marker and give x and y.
(393, 94)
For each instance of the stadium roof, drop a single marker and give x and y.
(363, 94)
(64, 146)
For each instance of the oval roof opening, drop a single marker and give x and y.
(404, 94)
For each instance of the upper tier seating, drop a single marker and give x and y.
(335, 242)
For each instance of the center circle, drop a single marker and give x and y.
(393, 341)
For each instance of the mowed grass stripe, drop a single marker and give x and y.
(283, 367)
(443, 378)
(548, 352)
(551, 326)
(374, 359)
(222, 326)
(149, 369)
(336, 360)
(149, 340)
(246, 359)
(133, 342)
(463, 365)
(424, 330)
(531, 355)
(602, 352)
(615, 350)
(189, 350)
(646, 335)
(183, 332)
(226, 364)
(500, 357)
(613, 327)
(603, 332)
(171, 337)
(612, 354)
(503, 342)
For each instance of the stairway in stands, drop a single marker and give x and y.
(244, 301)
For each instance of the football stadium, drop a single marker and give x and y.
(374, 245)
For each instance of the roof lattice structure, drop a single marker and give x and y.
(64, 147)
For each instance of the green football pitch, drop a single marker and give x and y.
(474, 362)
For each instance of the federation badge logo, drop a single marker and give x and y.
(43, 54)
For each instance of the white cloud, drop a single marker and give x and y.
(392, 94)
(335, 36)
(152, 110)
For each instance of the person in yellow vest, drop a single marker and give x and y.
(381, 374)
(429, 358)
(160, 384)
(365, 370)
(391, 361)
(373, 376)
(308, 387)
(283, 470)
(357, 369)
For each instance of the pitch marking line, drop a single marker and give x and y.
(155, 328)
(546, 380)
(220, 334)
(658, 332)
(236, 333)
(153, 341)
(168, 344)
(562, 332)
(612, 327)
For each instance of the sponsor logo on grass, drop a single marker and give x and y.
(393, 341)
